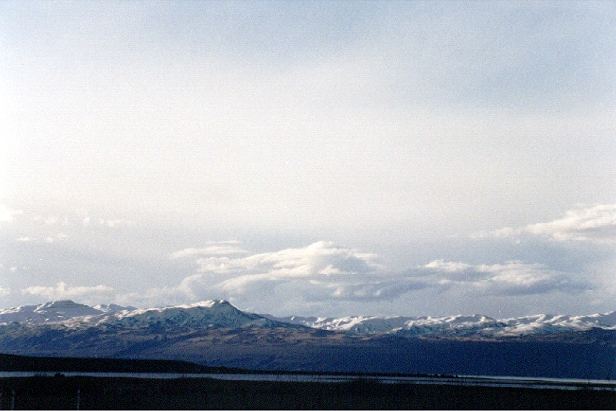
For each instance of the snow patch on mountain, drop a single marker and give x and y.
(457, 325)
(54, 311)
(220, 313)
(548, 324)
(215, 313)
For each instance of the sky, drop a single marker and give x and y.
(322, 158)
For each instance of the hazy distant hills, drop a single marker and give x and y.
(215, 333)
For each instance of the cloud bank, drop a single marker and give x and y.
(43, 254)
(326, 273)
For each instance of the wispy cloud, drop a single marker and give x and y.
(596, 223)
(49, 239)
(57, 237)
(52, 227)
(373, 290)
(62, 291)
(510, 278)
(214, 248)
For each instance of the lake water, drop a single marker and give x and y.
(470, 380)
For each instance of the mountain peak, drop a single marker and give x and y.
(222, 314)
(51, 311)
(211, 313)
(59, 304)
(207, 304)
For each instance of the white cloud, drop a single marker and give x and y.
(62, 291)
(54, 238)
(595, 223)
(49, 239)
(317, 272)
(401, 120)
(374, 290)
(318, 259)
(323, 272)
(212, 249)
(4, 291)
(447, 266)
(348, 119)
(156, 297)
(7, 214)
(81, 218)
(51, 220)
(115, 223)
(510, 278)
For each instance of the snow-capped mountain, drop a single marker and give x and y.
(457, 325)
(216, 333)
(217, 313)
(203, 314)
(56, 311)
(376, 324)
(220, 313)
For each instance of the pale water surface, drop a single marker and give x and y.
(470, 380)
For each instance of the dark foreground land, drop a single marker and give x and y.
(60, 392)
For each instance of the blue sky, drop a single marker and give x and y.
(316, 158)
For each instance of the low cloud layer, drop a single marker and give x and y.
(324, 273)
(81, 257)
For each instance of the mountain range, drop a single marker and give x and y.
(222, 314)
(216, 333)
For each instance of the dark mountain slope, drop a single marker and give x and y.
(214, 333)
(57, 364)
(584, 355)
